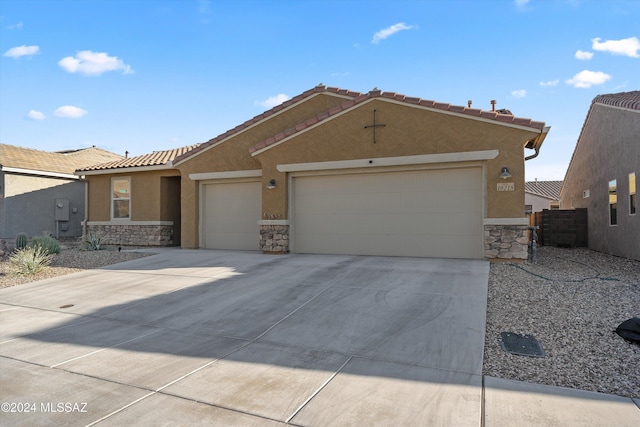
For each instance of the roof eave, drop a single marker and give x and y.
(38, 172)
(129, 169)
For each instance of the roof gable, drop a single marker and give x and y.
(625, 100)
(63, 162)
(491, 116)
(319, 89)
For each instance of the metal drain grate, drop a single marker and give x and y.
(522, 345)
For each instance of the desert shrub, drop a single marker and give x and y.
(93, 242)
(31, 259)
(21, 240)
(6, 249)
(45, 242)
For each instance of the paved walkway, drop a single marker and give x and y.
(192, 337)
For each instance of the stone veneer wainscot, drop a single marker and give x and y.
(506, 241)
(131, 234)
(274, 237)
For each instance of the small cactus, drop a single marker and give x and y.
(21, 241)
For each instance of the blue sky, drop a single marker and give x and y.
(146, 75)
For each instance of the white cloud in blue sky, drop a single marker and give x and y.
(93, 63)
(586, 79)
(521, 4)
(389, 31)
(584, 56)
(626, 47)
(521, 93)
(16, 26)
(70, 112)
(36, 115)
(272, 101)
(550, 83)
(18, 51)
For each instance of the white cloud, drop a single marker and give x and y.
(585, 56)
(387, 32)
(69, 111)
(626, 47)
(17, 26)
(550, 83)
(94, 63)
(519, 93)
(272, 101)
(521, 3)
(36, 115)
(586, 79)
(18, 51)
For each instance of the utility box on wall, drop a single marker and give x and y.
(62, 210)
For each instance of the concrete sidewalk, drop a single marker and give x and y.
(190, 337)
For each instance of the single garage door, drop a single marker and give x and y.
(434, 213)
(230, 213)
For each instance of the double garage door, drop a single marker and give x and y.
(432, 213)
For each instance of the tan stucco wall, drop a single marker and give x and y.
(408, 131)
(146, 195)
(233, 154)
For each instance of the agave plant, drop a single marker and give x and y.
(31, 259)
(93, 242)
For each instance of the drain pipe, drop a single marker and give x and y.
(536, 147)
(534, 155)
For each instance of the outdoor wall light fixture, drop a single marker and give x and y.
(272, 184)
(504, 174)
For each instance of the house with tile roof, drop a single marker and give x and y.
(603, 174)
(137, 200)
(39, 192)
(539, 195)
(337, 171)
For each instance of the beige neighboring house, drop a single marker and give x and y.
(539, 195)
(603, 174)
(332, 171)
(39, 192)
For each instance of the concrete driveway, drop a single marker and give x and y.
(193, 337)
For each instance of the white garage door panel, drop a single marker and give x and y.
(434, 213)
(230, 215)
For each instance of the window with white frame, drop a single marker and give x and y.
(121, 198)
(613, 202)
(632, 193)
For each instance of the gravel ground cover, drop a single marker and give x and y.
(571, 301)
(69, 260)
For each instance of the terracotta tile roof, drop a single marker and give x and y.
(548, 189)
(490, 115)
(318, 89)
(157, 158)
(65, 162)
(629, 100)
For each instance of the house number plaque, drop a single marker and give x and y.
(506, 186)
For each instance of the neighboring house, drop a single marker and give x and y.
(341, 172)
(39, 193)
(539, 195)
(603, 174)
